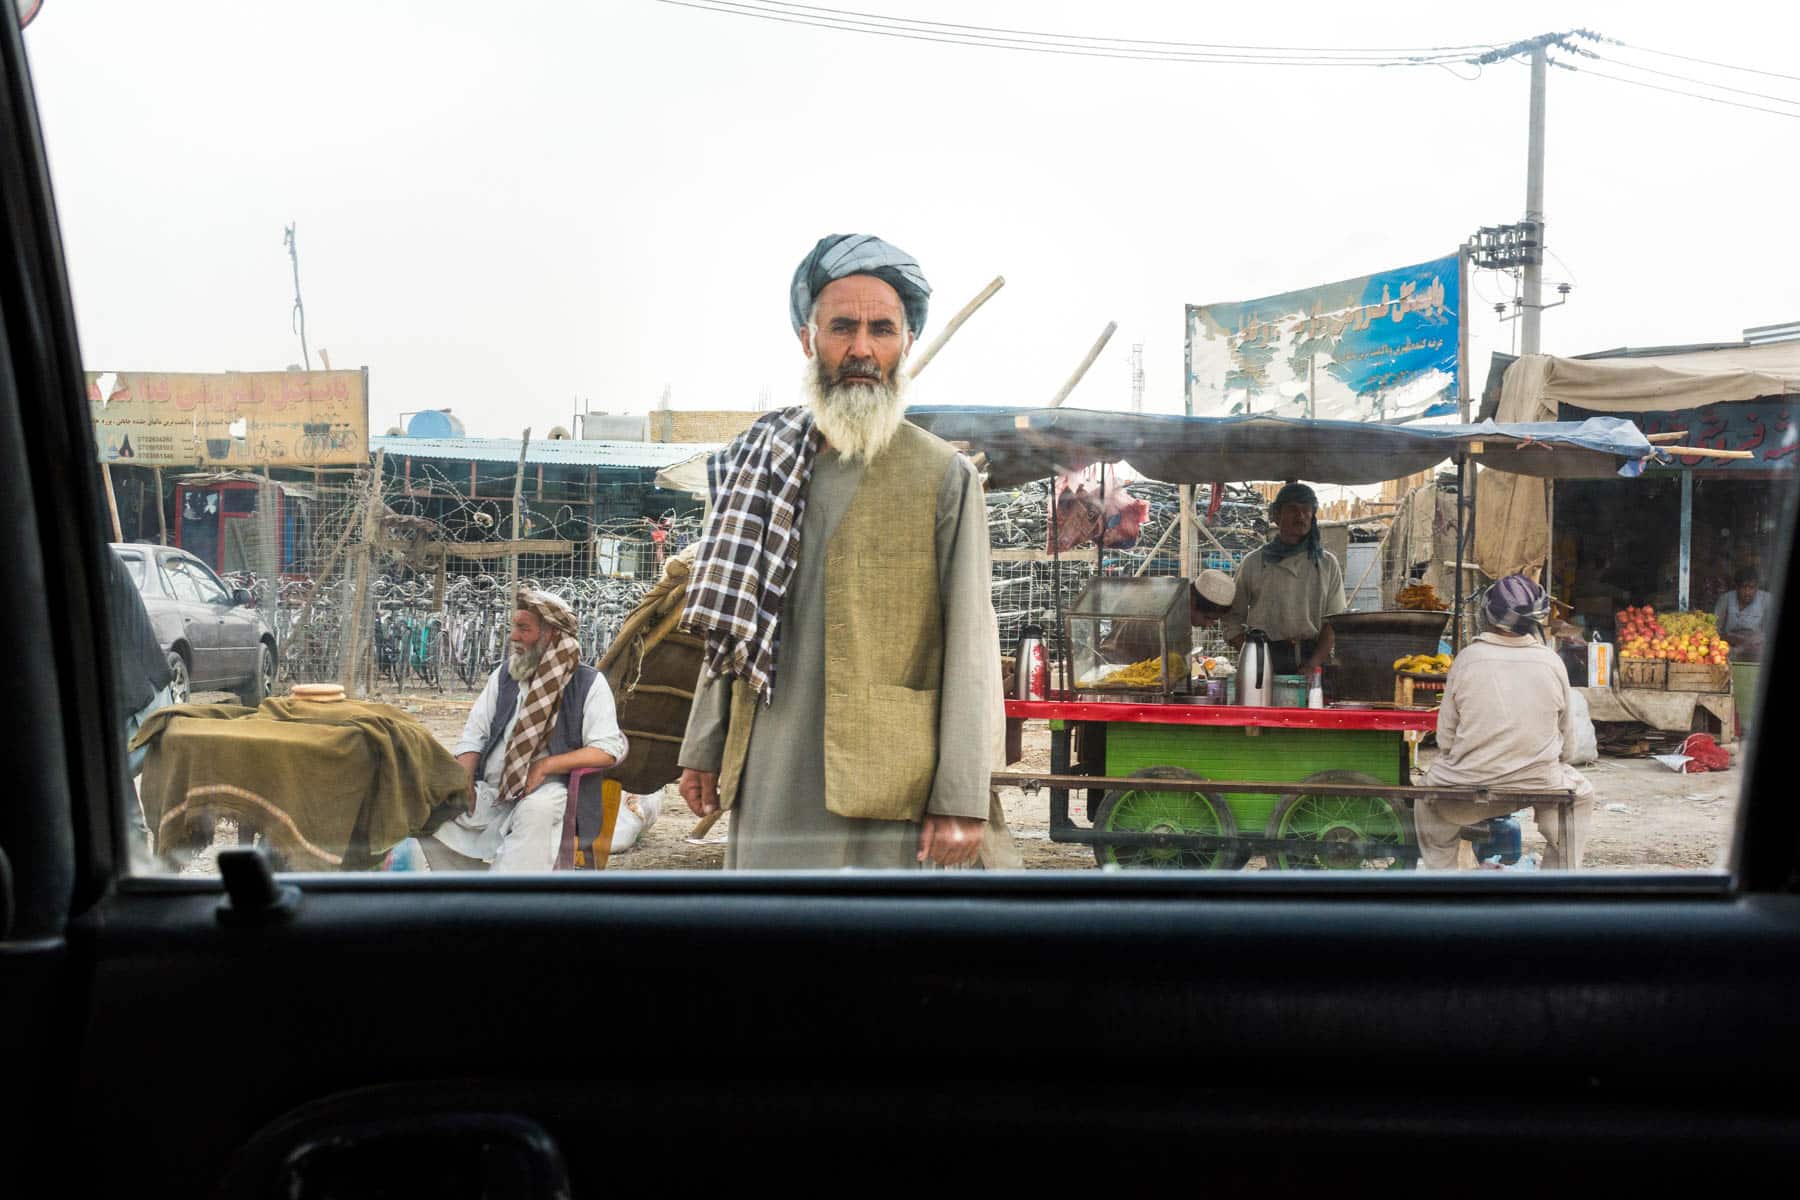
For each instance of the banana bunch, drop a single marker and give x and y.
(1423, 664)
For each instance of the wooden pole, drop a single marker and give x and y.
(162, 518)
(1188, 546)
(512, 560)
(112, 501)
(1112, 327)
(968, 310)
(349, 668)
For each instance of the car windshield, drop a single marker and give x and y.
(1159, 439)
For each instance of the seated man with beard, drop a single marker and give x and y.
(542, 715)
(846, 711)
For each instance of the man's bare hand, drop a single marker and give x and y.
(701, 791)
(471, 797)
(951, 841)
(534, 778)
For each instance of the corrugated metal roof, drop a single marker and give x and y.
(570, 452)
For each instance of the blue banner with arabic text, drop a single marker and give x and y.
(1383, 347)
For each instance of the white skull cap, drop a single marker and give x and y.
(1216, 587)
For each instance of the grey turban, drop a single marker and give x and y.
(841, 254)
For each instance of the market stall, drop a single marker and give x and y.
(1178, 775)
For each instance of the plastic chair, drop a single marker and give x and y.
(588, 821)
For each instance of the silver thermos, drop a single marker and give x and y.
(1031, 666)
(1255, 672)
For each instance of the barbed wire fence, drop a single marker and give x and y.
(407, 586)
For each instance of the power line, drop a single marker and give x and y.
(1028, 43)
(989, 29)
(1656, 87)
(1722, 87)
(1703, 61)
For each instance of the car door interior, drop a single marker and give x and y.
(446, 1036)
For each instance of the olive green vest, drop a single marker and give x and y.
(884, 642)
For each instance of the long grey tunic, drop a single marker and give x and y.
(779, 821)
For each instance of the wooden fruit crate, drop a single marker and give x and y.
(1647, 673)
(1699, 677)
(1416, 689)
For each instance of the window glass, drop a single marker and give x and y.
(134, 564)
(542, 283)
(211, 589)
(181, 581)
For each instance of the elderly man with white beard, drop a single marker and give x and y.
(845, 714)
(543, 714)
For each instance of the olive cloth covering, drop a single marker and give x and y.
(330, 786)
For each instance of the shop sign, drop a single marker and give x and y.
(1375, 348)
(1768, 429)
(235, 419)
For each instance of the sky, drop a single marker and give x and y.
(515, 210)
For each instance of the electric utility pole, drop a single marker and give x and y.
(1533, 299)
(299, 318)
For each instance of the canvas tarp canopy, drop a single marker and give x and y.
(1536, 385)
(1023, 444)
(1512, 524)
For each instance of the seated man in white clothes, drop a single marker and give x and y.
(542, 715)
(1506, 723)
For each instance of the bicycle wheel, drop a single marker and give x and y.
(430, 650)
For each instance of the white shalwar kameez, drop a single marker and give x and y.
(522, 837)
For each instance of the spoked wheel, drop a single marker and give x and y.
(431, 652)
(1145, 810)
(178, 677)
(1338, 824)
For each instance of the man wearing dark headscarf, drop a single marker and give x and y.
(845, 715)
(1506, 722)
(1288, 587)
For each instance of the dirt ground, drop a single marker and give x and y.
(1646, 817)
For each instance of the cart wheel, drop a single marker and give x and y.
(1329, 819)
(1136, 810)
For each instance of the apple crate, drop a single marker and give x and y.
(1645, 673)
(1699, 677)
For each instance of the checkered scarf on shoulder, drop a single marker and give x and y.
(541, 695)
(752, 540)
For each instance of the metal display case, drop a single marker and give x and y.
(1130, 639)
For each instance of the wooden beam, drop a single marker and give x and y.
(1517, 798)
(1703, 452)
(968, 310)
(1105, 336)
(112, 501)
(508, 548)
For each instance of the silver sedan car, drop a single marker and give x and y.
(215, 639)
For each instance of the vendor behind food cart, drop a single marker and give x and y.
(1209, 602)
(1288, 587)
(1210, 598)
(1742, 616)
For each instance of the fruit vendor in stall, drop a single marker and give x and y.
(1742, 616)
(1288, 587)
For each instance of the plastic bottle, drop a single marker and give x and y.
(1315, 688)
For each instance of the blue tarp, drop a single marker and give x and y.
(1032, 443)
